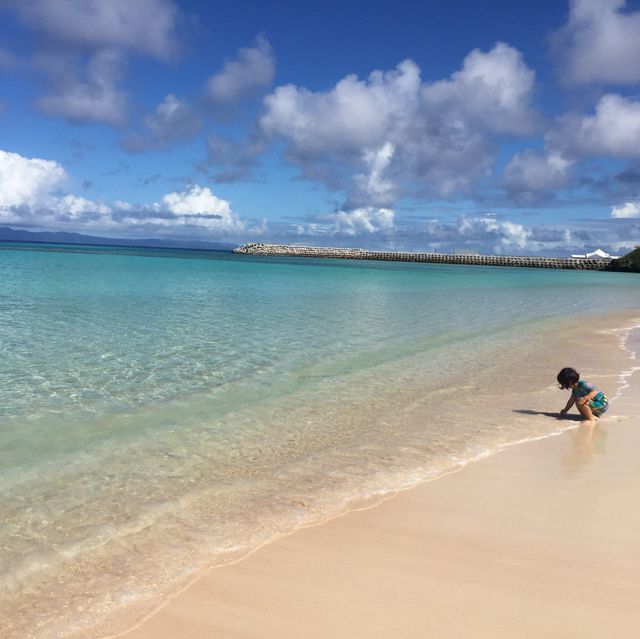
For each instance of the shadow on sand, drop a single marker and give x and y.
(528, 411)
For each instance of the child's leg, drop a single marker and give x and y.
(585, 410)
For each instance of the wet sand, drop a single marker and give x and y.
(538, 540)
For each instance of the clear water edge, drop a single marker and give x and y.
(349, 423)
(374, 499)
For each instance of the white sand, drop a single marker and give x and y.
(541, 540)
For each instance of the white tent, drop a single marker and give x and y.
(598, 254)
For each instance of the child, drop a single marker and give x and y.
(589, 400)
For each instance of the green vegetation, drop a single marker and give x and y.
(629, 263)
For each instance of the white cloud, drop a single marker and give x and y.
(196, 200)
(373, 187)
(492, 90)
(77, 207)
(613, 130)
(251, 69)
(171, 120)
(30, 195)
(352, 118)
(486, 233)
(190, 211)
(144, 26)
(390, 134)
(358, 222)
(492, 234)
(489, 233)
(508, 234)
(96, 97)
(27, 182)
(82, 49)
(599, 43)
(530, 173)
(629, 209)
(363, 220)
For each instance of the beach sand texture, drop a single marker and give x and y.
(540, 540)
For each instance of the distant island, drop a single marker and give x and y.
(8, 234)
(629, 263)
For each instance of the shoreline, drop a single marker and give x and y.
(146, 590)
(208, 587)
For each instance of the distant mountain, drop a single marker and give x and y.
(58, 237)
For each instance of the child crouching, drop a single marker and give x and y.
(589, 401)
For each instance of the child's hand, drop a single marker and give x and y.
(564, 411)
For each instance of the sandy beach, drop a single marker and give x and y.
(538, 540)
(285, 292)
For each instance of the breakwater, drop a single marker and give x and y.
(286, 250)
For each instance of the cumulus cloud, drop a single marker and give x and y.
(492, 90)
(374, 187)
(482, 232)
(364, 220)
(358, 222)
(490, 233)
(197, 200)
(530, 174)
(599, 43)
(171, 121)
(75, 207)
(507, 234)
(629, 209)
(145, 26)
(94, 97)
(351, 118)
(83, 46)
(613, 130)
(194, 210)
(252, 68)
(27, 181)
(391, 134)
(31, 194)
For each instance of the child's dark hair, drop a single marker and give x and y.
(568, 376)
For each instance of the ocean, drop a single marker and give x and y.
(163, 411)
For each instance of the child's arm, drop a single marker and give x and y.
(570, 403)
(586, 398)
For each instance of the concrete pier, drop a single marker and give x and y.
(285, 250)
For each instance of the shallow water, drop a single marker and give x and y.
(163, 410)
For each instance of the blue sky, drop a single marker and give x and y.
(498, 126)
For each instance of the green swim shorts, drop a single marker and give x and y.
(599, 404)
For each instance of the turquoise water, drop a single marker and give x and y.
(166, 410)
